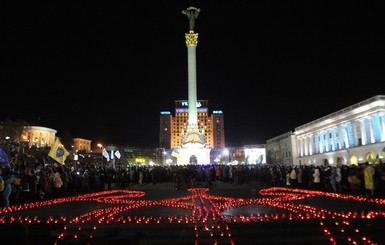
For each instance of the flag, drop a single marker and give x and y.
(58, 152)
(347, 150)
(4, 158)
(175, 153)
(383, 153)
(105, 154)
(117, 154)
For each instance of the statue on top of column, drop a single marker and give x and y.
(192, 13)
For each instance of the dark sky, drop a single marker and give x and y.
(103, 71)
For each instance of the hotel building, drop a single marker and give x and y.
(172, 127)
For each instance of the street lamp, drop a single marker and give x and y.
(100, 146)
(101, 149)
(164, 155)
(226, 155)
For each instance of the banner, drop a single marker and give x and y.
(105, 154)
(117, 154)
(58, 152)
(175, 153)
(4, 158)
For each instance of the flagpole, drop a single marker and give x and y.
(104, 166)
(101, 151)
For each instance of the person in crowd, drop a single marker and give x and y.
(354, 181)
(369, 172)
(288, 177)
(316, 179)
(16, 187)
(299, 178)
(43, 186)
(333, 179)
(7, 178)
(57, 185)
(141, 176)
(1, 185)
(293, 178)
(25, 189)
(339, 180)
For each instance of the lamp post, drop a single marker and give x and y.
(164, 154)
(101, 155)
(100, 147)
(226, 156)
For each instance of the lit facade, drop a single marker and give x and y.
(173, 127)
(38, 136)
(82, 144)
(358, 130)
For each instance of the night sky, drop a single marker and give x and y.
(103, 71)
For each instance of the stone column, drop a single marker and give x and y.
(311, 144)
(363, 131)
(321, 142)
(31, 133)
(191, 43)
(339, 137)
(347, 145)
(371, 130)
(305, 142)
(300, 147)
(327, 141)
(382, 126)
(354, 125)
(333, 140)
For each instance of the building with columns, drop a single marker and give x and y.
(38, 136)
(357, 130)
(42, 136)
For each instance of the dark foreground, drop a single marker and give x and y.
(226, 214)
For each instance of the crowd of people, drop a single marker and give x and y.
(30, 184)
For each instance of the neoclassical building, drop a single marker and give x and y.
(42, 136)
(81, 144)
(356, 130)
(38, 136)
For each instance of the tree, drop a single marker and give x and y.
(10, 132)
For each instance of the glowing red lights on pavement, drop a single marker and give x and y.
(206, 212)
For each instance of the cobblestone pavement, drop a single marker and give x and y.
(251, 213)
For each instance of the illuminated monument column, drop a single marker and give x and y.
(193, 149)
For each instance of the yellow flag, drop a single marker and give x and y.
(58, 152)
(175, 153)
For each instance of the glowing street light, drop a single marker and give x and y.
(226, 155)
(100, 146)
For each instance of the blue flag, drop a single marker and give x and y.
(4, 158)
(175, 153)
